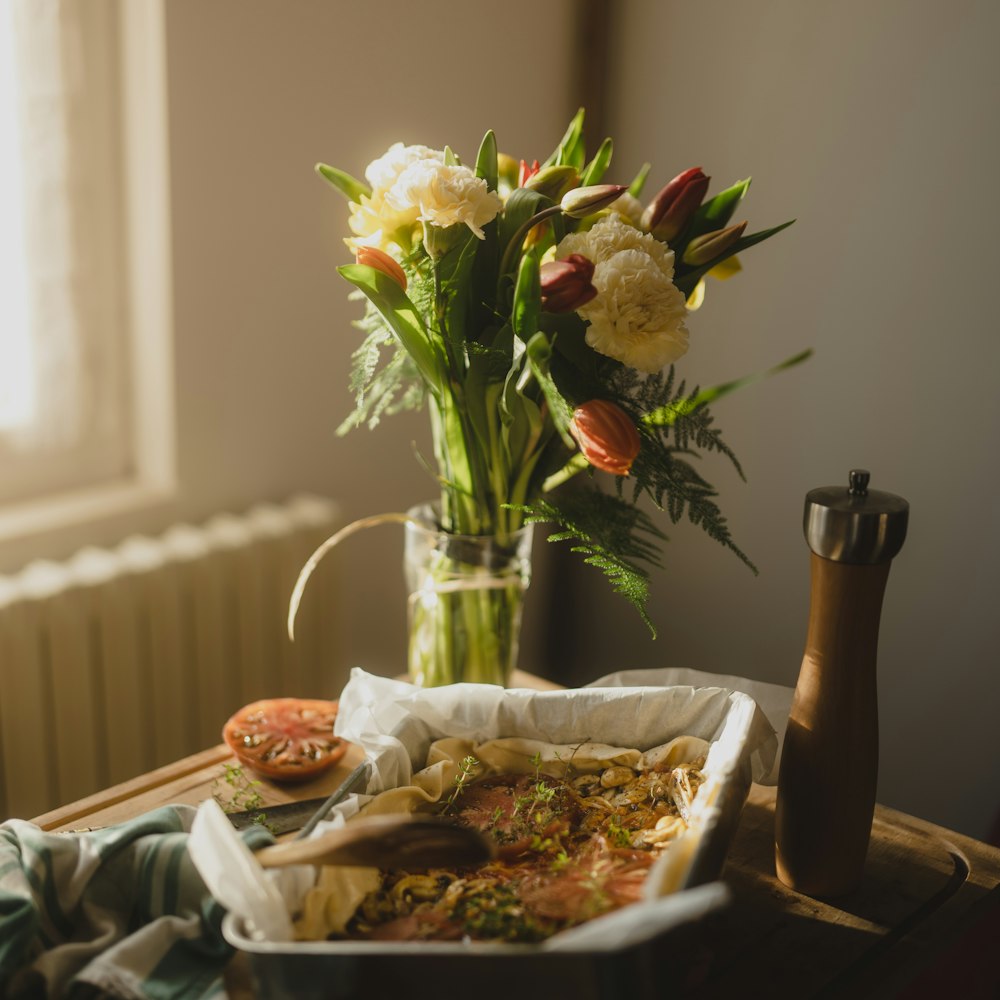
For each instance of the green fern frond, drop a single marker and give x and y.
(380, 391)
(695, 430)
(662, 469)
(675, 486)
(610, 533)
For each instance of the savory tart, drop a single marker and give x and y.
(571, 846)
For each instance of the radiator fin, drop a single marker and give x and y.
(121, 660)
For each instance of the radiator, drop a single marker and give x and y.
(120, 660)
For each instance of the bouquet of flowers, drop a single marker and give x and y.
(537, 311)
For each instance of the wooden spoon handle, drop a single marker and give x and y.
(397, 841)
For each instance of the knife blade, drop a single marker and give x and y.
(282, 818)
(303, 815)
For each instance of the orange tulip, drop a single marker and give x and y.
(606, 436)
(381, 261)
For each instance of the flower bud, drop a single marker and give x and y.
(507, 170)
(566, 283)
(381, 261)
(584, 201)
(553, 181)
(703, 249)
(525, 172)
(671, 210)
(606, 436)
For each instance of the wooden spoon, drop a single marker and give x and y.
(390, 841)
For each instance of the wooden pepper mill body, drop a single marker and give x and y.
(829, 760)
(829, 763)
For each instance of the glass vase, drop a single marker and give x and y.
(466, 595)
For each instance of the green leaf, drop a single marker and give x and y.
(402, 318)
(453, 271)
(522, 205)
(539, 356)
(487, 366)
(349, 186)
(716, 212)
(575, 365)
(598, 166)
(667, 415)
(639, 181)
(451, 157)
(527, 298)
(486, 161)
(522, 424)
(570, 150)
(483, 284)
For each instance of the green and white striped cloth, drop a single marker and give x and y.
(119, 911)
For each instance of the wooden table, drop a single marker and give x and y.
(926, 920)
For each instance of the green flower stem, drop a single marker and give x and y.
(467, 634)
(514, 246)
(465, 616)
(576, 464)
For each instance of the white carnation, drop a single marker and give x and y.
(444, 196)
(384, 172)
(374, 220)
(629, 208)
(637, 316)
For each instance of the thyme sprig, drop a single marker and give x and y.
(466, 767)
(235, 792)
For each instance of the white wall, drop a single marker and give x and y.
(875, 124)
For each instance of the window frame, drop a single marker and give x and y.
(147, 478)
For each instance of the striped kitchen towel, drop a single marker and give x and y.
(119, 911)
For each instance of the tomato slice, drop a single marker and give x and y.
(286, 739)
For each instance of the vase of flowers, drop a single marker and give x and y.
(465, 598)
(536, 312)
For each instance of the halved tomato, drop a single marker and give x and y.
(286, 739)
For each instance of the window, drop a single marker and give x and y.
(84, 317)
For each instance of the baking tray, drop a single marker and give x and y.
(634, 953)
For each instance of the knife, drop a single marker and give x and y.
(303, 815)
(278, 819)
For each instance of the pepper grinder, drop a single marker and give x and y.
(829, 761)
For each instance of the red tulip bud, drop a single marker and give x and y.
(525, 171)
(566, 283)
(606, 436)
(704, 249)
(381, 261)
(671, 210)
